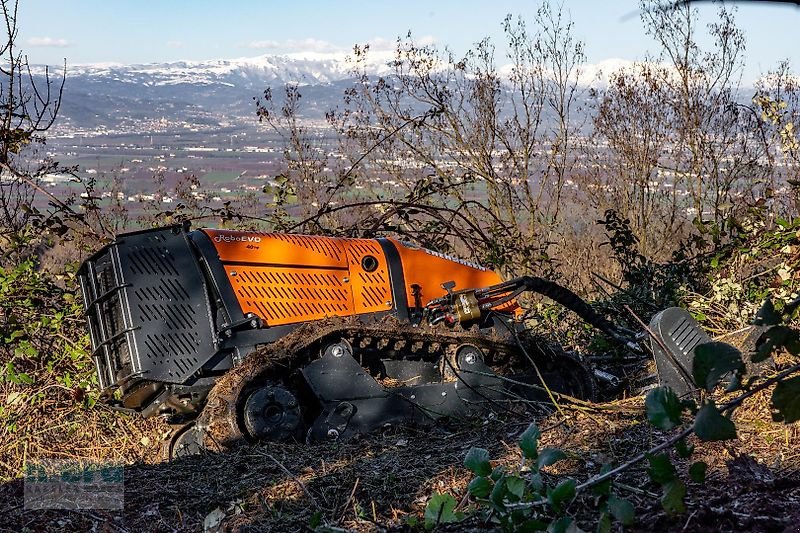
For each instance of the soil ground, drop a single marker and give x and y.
(383, 482)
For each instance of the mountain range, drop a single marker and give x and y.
(208, 92)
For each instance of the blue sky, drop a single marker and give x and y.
(145, 31)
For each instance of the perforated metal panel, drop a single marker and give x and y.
(282, 295)
(371, 290)
(154, 320)
(167, 304)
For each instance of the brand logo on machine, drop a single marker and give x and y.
(237, 238)
(465, 304)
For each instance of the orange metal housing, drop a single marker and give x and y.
(428, 270)
(285, 279)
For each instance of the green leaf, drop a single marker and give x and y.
(786, 401)
(672, 497)
(549, 456)
(477, 461)
(713, 361)
(604, 487)
(621, 509)
(663, 408)
(697, 472)
(710, 425)
(498, 472)
(562, 525)
(498, 494)
(767, 316)
(536, 482)
(516, 486)
(440, 510)
(771, 340)
(480, 487)
(684, 451)
(563, 492)
(661, 470)
(604, 524)
(530, 526)
(529, 441)
(316, 520)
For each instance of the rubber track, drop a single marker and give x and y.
(218, 421)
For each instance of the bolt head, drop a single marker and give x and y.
(229, 333)
(333, 434)
(337, 351)
(254, 323)
(470, 358)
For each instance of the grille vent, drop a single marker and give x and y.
(166, 306)
(374, 290)
(686, 336)
(153, 261)
(283, 296)
(322, 245)
(165, 296)
(371, 290)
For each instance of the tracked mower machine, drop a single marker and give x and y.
(248, 336)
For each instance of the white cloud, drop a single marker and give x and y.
(176, 44)
(426, 40)
(47, 42)
(295, 45)
(262, 45)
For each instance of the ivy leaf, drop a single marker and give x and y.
(480, 487)
(663, 408)
(713, 361)
(440, 510)
(786, 401)
(710, 425)
(529, 442)
(767, 316)
(661, 470)
(477, 461)
(549, 456)
(621, 509)
(697, 472)
(769, 341)
(672, 498)
(563, 492)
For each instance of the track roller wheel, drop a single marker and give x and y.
(183, 442)
(272, 413)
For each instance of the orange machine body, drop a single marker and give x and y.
(285, 279)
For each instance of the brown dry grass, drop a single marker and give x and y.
(378, 482)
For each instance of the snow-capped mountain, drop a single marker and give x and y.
(305, 69)
(107, 94)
